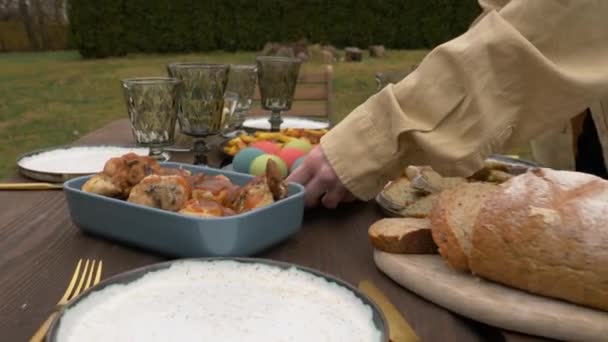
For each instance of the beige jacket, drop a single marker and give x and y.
(553, 147)
(524, 67)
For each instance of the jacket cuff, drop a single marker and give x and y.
(356, 150)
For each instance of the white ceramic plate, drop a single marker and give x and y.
(62, 163)
(288, 122)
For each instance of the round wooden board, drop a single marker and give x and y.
(491, 303)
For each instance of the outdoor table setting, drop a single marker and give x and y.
(63, 250)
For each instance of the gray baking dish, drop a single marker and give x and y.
(178, 235)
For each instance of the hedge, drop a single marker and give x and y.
(100, 28)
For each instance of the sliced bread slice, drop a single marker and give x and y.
(421, 208)
(402, 235)
(453, 218)
(399, 194)
(430, 182)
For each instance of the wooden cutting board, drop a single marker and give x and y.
(491, 303)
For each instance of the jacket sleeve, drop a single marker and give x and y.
(517, 71)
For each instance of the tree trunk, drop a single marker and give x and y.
(58, 11)
(27, 23)
(41, 21)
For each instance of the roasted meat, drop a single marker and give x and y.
(163, 192)
(260, 191)
(215, 188)
(141, 180)
(120, 174)
(102, 184)
(205, 208)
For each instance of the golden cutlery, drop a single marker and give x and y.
(90, 276)
(398, 328)
(30, 186)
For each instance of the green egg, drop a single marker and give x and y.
(258, 166)
(300, 144)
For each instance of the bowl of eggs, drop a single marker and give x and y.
(251, 153)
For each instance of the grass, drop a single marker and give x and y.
(53, 98)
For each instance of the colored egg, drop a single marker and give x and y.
(243, 159)
(297, 163)
(300, 144)
(290, 154)
(267, 146)
(258, 166)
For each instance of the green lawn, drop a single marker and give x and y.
(53, 98)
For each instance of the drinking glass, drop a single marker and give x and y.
(277, 81)
(152, 104)
(231, 103)
(202, 112)
(242, 80)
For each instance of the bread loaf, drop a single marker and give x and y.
(402, 235)
(547, 232)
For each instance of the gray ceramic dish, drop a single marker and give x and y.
(179, 235)
(127, 277)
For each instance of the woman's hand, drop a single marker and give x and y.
(321, 182)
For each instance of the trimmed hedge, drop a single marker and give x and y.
(100, 28)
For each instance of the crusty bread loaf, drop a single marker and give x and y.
(453, 218)
(545, 232)
(402, 235)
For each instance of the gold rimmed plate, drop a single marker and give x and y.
(230, 288)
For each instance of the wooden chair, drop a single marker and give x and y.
(313, 97)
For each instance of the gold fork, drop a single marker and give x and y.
(90, 276)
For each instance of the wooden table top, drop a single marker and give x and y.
(39, 246)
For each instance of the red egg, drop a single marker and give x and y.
(290, 154)
(267, 146)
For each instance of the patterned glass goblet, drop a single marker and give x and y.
(242, 80)
(152, 104)
(201, 113)
(277, 81)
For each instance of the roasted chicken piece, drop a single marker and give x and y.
(205, 208)
(164, 192)
(102, 184)
(260, 191)
(215, 188)
(120, 174)
(166, 171)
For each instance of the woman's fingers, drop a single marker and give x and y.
(333, 197)
(321, 182)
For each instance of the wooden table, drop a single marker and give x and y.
(39, 247)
